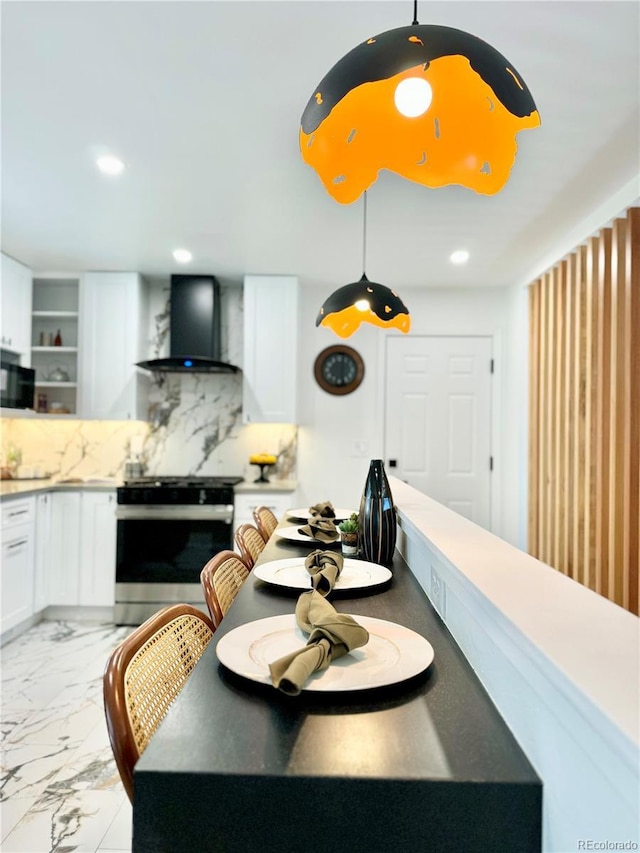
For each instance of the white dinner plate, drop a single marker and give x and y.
(355, 574)
(393, 654)
(304, 514)
(294, 535)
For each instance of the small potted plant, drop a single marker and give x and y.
(349, 535)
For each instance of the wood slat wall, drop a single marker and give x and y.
(584, 413)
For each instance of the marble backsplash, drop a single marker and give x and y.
(189, 436)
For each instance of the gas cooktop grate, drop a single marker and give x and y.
(163, 481)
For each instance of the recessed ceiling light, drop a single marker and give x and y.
(461, 256)
(110, 165)
(182, 256)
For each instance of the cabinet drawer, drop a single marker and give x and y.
(245, 504)
(16, 584)
(20, 511)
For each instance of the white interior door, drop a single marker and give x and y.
(438, 419)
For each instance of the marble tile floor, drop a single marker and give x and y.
(60, 791)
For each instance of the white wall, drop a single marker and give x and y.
(329, 466)
(329, 425)
(515, 414)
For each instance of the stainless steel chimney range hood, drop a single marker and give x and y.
(194, 328)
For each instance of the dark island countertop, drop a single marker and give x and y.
(425, 765)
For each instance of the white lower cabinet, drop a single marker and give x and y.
(98, 549)
(82, 548)
(18, 537)
(246, 502)
(58, 549)
(64, 548)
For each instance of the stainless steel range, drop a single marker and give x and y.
(168, 528)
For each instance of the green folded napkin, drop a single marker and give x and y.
(324, 509)
(324, 568)
(323, 531)
(331, 635)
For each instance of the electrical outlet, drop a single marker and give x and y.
(438, 593)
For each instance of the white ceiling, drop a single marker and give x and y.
(203, 101)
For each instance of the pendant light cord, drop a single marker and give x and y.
(364, 235)
(415, 13)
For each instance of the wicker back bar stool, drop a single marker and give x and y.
(250, 543)
(143, 676)
(221, 579)
(266, 521)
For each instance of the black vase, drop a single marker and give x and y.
(377, 519)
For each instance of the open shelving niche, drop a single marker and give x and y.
(56, 302)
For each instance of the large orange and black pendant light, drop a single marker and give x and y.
(363, 301)
(434, 104)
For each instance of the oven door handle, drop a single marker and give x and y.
(176, 513)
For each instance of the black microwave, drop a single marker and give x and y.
(17, 386)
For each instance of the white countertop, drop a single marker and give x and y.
(16, 488)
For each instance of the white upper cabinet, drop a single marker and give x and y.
(270, 348)
(114, 318)
(16, 308)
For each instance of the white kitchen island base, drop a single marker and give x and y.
(561, 663)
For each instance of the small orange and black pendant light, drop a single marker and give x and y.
(363, 301)
(434, 104)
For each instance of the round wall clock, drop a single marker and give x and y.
(339, 369)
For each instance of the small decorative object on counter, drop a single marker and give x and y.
(13, 459)
(133, 467)
(264, 460)
(377, 517)
(349, 535)
(57, 341)
(42, 403)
